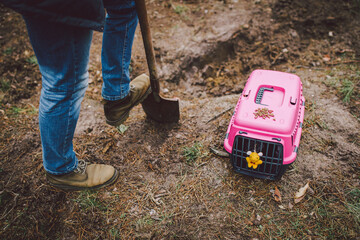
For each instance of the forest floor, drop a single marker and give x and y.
(171, 185)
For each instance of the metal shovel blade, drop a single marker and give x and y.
(161, 109)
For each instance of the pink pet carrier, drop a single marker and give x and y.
(264, 133)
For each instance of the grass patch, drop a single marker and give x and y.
(16, 110)
(144, 222)
(353, 204)
(115, 233)
(347, 89)
(32, 60)
(8, 51)
(179, 9)
(346, 86)
(89, 200)
(344, 81)
(4, 85)
(192, 153)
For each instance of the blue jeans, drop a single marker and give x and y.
(62, 52)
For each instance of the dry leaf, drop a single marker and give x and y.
(151, 166)
(122, 128)
(255, 219)
(290, 206)
(301, 193)
(277, 195)
(311, 191)
(326, 58)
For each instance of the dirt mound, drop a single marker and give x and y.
(299, 33)
(336, 21)
(316, 18)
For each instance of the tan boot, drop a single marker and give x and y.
(116, 112)
(91, 176)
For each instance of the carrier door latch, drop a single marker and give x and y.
(246, 94)
(293, 101)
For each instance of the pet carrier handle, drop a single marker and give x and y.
(299, 130)
(260, 94)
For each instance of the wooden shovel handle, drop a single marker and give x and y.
(149, 50)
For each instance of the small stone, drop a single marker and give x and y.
(152, 212)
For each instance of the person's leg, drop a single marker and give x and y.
(120, 25)
(119, 31)
(62, 52)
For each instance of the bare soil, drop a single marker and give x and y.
(205, 51)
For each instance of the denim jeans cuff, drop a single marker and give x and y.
(115, 98)
(68, 170)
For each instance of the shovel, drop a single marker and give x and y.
(156, 107)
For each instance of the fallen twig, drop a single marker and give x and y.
(343, 62)
(220, 114)
(219, 152)
(13, 206)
